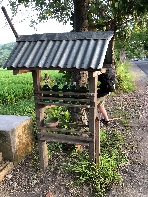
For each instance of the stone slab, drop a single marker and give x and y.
(16, 137)
(9, 122)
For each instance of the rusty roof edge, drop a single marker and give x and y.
(67, 36)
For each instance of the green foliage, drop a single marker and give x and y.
(14, 87)
(135, 47)
(102, 15)
(60, 10)
(99, 177)
(61, 113)
(125, 80)
(55, 76)
(18, 87)
(64, 117)
(4, 52)
(24, 107)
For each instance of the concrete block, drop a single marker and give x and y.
(16, 137)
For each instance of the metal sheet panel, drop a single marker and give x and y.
(80, 50)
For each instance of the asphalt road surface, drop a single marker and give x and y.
(143, 65)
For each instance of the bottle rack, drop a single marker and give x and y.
(83, 103)
(90, 138)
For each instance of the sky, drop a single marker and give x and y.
(21, 24)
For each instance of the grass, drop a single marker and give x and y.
(125, 79)
(102, 176)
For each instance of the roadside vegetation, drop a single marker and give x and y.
(125, 79)
(16, 98)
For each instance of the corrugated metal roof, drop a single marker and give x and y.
(80, 50)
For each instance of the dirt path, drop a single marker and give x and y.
(135, 175)
(26, 180)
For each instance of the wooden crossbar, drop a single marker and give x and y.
(69, 139)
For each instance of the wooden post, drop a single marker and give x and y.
(92, 113)
(97, 141)
(42, 146)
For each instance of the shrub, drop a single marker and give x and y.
(125, 80)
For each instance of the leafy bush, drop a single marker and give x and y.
(125, 80)
(102, 176)
(14, 87)
(5, 51)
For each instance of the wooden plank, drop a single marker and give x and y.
(15, 72)
(81, 132)
(64, 93)
(63, 104)
(73, 124)
(62, 69)
(64, 138)
(61, 98)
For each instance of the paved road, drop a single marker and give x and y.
(143, 65)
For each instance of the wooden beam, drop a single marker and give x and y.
(15, 72)
(69, 139)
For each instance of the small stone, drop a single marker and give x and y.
(9, 176)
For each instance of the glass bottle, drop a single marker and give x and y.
(55, 88)
(46, 88)
(65, 89)
(74, 89)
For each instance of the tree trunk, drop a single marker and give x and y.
(80, 15)
(113, 27)
(80, 77)
(122, 55)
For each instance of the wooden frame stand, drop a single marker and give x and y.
(93, 137)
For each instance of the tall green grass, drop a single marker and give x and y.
(125, 79)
